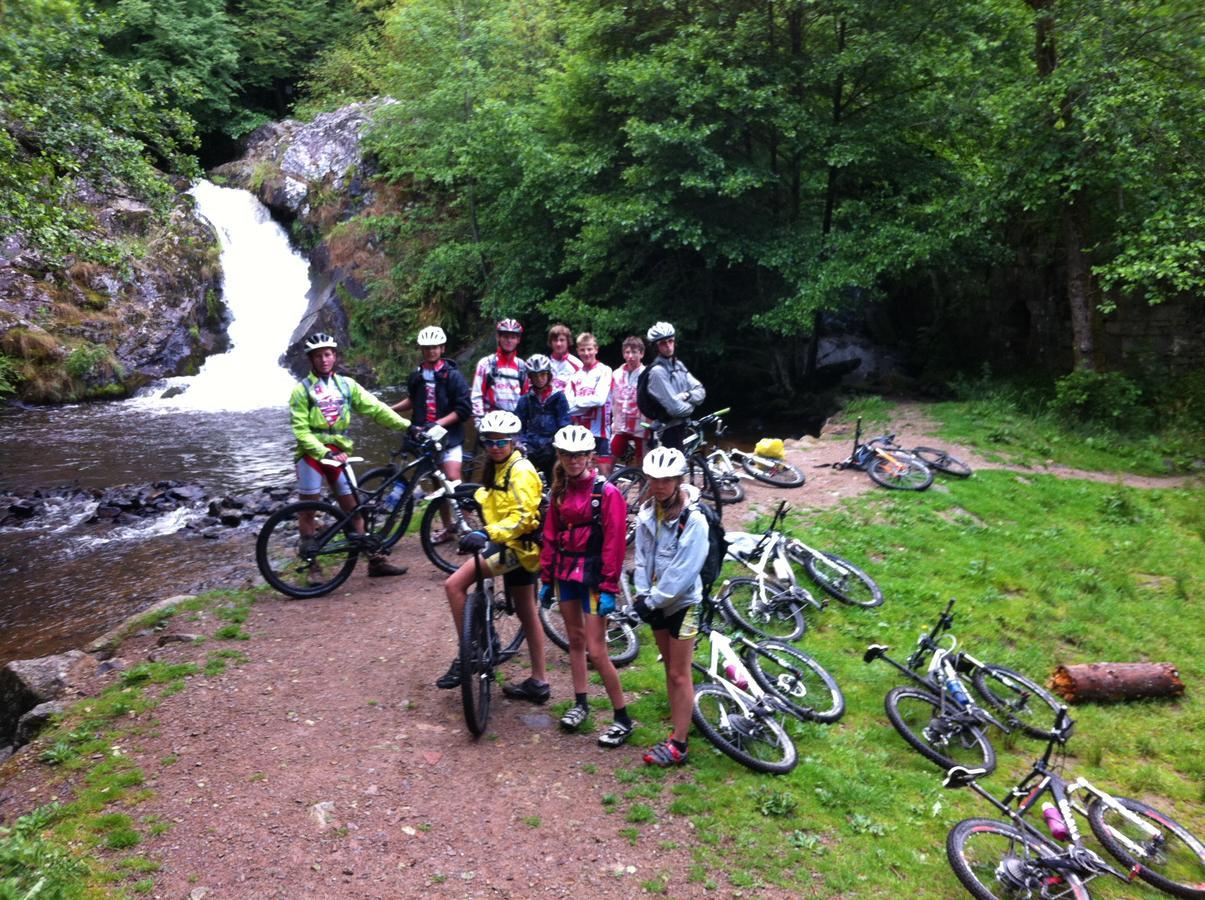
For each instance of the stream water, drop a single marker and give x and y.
(64, 581)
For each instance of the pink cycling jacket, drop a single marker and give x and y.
(567, 527)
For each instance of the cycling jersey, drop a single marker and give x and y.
(320, 413)
(588, 394)
(625, 414)
(499, 381)
(562, 370)
(437, 391)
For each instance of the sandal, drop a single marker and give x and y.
(441, 537)
(616, 735)
(573, 718)
(664, 754)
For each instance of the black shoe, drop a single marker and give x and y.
(451, 678)
(535, 691)
(380, 567)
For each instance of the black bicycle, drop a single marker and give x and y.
(937, 716)
(490, 635)
(315, 565)
(1017, 859)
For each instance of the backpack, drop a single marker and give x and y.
(493, 374)
(717, 543)
(650, 407)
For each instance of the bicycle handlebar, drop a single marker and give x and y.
(336, 463)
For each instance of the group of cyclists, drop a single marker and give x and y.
(557, 419)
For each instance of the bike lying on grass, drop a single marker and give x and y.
(385, 499)
(938, 717)
(886, 463)
(750, 687)
(1016, 859)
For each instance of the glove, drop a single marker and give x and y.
(546, 596)
(417, 432)
(474, 542)
(641, 608)
(606, 603)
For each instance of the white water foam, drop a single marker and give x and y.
(264, 285)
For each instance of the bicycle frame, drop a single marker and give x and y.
(768, 561)
(752, 700)
(882, 445)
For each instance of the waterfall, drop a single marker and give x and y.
(264, 285)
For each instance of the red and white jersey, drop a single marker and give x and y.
(562, 370)
(589, 394)
(625, 414)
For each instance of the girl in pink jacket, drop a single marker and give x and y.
(584, 543)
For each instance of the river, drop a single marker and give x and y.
(64, 581)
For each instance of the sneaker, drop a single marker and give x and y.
(616, 735)
(451, 678)
(380, 567)
(307, 546)
(664, 754)
(535, 691)
(442, 536)
(574, 717)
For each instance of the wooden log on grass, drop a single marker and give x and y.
(1116, 681)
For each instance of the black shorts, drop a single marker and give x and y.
(503, 562)
(683, 624)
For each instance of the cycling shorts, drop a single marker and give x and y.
(452, 454)
(683, 624)
(602, 447)
(504, 562)
(576, 592)
(310, 479)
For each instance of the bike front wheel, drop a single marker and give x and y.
(1025, 703)
(901, 473)
(998, 860)
(799, 681)
(476, 663)
(938, 459)
(623, 643)
(1173, 861)
(465, 516)
(777, 472)
(387, 529)
(763, 608)
(315, 567)
(937, 736)
(838, 577)
(756, 741)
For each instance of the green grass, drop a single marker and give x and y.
(1045, 572)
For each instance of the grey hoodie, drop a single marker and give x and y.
(667, 568)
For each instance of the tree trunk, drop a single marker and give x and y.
(1116, 681)
(1078, 291)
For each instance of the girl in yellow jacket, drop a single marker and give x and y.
(510, 508)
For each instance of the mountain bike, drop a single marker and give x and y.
(938, 717)
(490, 635)
(623, 640)
(1016, 859)
(385, 499)
(886, 463)
(941, 461)
(776, 472)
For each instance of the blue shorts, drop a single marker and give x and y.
(576, 592)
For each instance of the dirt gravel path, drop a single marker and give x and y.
(328, 765)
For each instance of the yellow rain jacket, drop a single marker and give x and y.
(511, 509)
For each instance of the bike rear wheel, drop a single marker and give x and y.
(633, 487)
(998, 860)
(777, 472)
(799, 681)
(623, 643)
(699, 474)
(918, 717)
(756, 741)
(476, 663)
(1174, 862)
(769, 613)
(838, 577)
(906, 473)
(447, 555)
(377, 523)
(1025, 703)
(936, 458)
(318, 571)
(509, 632)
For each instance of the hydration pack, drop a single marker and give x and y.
(717, 543)
(650, 407)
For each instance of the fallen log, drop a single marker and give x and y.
(1116, 681)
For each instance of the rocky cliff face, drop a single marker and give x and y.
(315, 177)
(86, 330)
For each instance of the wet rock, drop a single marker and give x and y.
(35, 720)
(212, 533)
(190, 493)
(25, 683)
(107, 512)
(24, 509)
(6, 752)
(181, 637)
(110, 665)
(231, 519)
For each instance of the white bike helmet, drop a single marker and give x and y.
(509, 326)
(318, 340)
(664, 462)
(537, 363)
(500, 421)
(574, 439)
(432, 336)
(660, 331)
